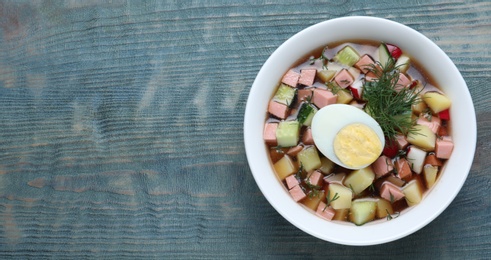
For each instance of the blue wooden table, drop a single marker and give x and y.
(121, 129)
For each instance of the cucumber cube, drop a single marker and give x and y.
(285, 95)
(288, 133)
(326, 75)
(309, 158)
(347, 56)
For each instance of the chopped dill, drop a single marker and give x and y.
(314, 189)
(389, 103)
(329, 200)
(389, 216)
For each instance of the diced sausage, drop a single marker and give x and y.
(323, 98)
(291, 181)
(433, 124)
(403, 169)
(431, 159)
(307, 77)
(382, 166)
(325, 212)
(297, 193)
(293, 151)
(278, 110)
(269, 133)
(402, 142)
(304, 94)
(291, 78)
(391, 192)
(365, 64)
(315, 178)
(402, 82)
(344, 78)
(335, 178)
(307, 137)
(443, 148)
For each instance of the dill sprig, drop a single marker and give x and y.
(389, 103)
(314, 189)
(329, 200)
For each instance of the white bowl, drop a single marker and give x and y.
(432, 59)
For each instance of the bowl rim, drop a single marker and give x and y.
(436, 200)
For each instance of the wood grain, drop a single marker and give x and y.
(121, 129)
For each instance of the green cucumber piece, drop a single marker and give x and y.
(288, 133)
(347, 56)
(384, 55)
(309, 158)
(285, 94)
(306, 114)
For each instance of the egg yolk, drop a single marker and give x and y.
(357, 145)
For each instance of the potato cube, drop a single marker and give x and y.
(430, 172)
(326, 166)
(423, 137)
(359, 180)
(436, 101)
(362, 211)
(343, 194)
(383, 208)
(413, 192)
(284, 167)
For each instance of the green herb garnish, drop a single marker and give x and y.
(389, 103)
(304, 112)
(314, 189)
(328, 196)
(389, 216)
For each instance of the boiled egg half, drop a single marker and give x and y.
(347, 136)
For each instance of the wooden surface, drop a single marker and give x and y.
(121, 129)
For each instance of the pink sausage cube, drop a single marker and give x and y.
(304, 94)
(344, 78)
(297, 193)
(434, 124)
(278, 110)
(382, 166)
(323, 98)
(391, 192)
(291, 78)
(269, 133)
(443, 148)
(402, 82)
(325, 212)
(315, 178)
(365, 64)
(293, 151)
(402, 143)
(403, 169)
(291, 181)
(307, 77)
(307, 137)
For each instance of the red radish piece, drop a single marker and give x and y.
(391, 149)
(394, 51)
(444, 115)
(354, 92)
(413, 84)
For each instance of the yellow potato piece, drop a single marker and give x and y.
(436, 101)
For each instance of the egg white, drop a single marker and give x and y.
(330, 119)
